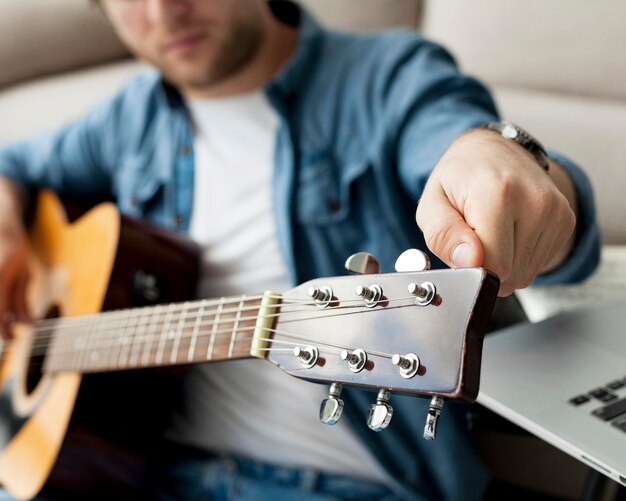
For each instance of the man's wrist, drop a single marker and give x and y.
(523, 138)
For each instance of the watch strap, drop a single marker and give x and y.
(515, 133)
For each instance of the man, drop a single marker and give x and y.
(282, 149)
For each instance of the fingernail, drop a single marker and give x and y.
(463, 255)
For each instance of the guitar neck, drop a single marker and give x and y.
(175, 334)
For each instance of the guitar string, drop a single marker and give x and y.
(173, 308)
(192, 305)
(122, 323)
(220, 337)
(116, 319)
(161, 335)
(78, 365)
(225, 339)
(148, 312)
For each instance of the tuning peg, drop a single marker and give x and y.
(381, 412)
(412, 260)
(434, 411)
(424, 293)
(362, 263)
(332, 407)
(308, 355)
(408, 364)
(356, 359)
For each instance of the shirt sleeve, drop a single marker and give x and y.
(438, 104)
(72, 160)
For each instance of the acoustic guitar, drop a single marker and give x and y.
(416, 331)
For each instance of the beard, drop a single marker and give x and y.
(237, 48)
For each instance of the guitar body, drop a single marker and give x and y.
(77, 269)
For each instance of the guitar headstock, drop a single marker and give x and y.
(417, 333)
(444, 335)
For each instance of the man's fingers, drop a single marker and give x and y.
(447, 234)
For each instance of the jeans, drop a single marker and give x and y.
(222, 478)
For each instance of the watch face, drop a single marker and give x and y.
(510, 131)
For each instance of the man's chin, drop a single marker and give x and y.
(188, 79)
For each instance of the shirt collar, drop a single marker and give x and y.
(289, 79)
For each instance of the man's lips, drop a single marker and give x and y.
(184, 44)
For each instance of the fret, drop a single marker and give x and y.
(126, 338)
(164, 334)
(216, 323)
(194, 334)
(179, 328)
(119, 339)
(109, 342)
(52, 361)
(235, 327)
(150, 334)
(87, 361)
(69, 345)
(74, 333)
(79, 344)
(95, 348)
(139, 337)
(66, 347)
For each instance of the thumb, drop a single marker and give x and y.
(446, 232)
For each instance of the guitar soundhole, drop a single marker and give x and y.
(39, 349)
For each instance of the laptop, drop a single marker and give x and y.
(563, 379)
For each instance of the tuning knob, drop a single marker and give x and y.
(321, 295)
(356, 359)
(363, 263)
(308, 355)
(424, 293)
(412, 260)
(408, 364)
(432, 419)
(381, 412)
(332, 407)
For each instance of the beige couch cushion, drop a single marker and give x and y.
(40, 37)
(573, 46)
(49, 102)
(364, 15)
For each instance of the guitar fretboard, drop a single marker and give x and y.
(175, 334)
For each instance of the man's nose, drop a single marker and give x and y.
(167, 13)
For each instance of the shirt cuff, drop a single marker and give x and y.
(585, 255)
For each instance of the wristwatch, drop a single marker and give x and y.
(515, 133)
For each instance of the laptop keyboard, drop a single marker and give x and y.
(613, 394)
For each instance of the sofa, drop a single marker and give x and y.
(556, 68)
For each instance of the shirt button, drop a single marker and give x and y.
(185, 149)
(134, 202)
(334, 205)
(179, 220)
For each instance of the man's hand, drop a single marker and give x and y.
(13, 259)
(488, 203)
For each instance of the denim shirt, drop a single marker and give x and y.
(363, 121)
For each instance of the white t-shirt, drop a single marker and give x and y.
(251, 407)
